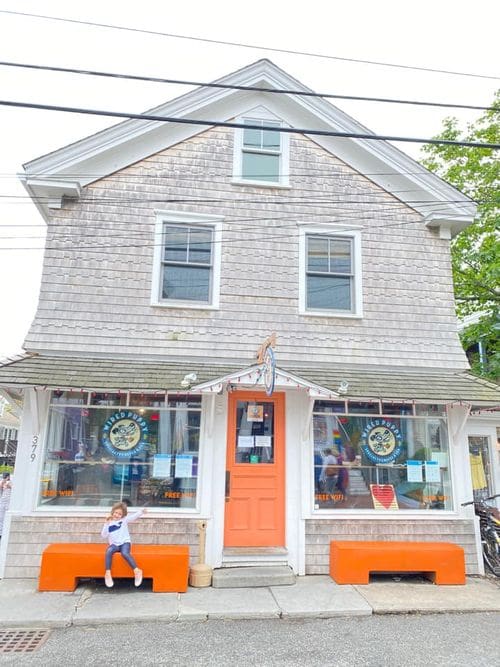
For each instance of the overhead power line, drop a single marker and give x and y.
(309, 54)
(215, 123)
(259, 89)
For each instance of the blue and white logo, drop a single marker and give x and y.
(382, 441)
(125, 434)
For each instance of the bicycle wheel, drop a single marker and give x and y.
(490, 553)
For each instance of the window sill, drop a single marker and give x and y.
(261, 184)
(330, 313)
(183, 305)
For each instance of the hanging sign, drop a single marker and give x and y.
(381, 441)
(269, 371)
(265, 356)
(125, 433)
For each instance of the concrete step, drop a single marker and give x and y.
(254, 556)
(253, 577)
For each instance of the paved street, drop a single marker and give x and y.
(379, 640)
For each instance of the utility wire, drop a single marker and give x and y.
(257, 230)
(259, 89)
(249, 46)
(248, 126)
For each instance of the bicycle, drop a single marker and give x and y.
(489, 525)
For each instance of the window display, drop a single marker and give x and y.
(386, 459)
(101, 449)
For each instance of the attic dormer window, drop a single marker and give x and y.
(261, 151)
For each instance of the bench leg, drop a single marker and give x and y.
(349, 575)
(59, 583)
(445, 577)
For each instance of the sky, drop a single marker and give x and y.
(453, 35)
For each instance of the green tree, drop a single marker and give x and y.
(476, 250)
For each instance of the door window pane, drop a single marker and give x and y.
(254, 432)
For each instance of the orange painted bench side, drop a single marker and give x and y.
(352, 561)
(63, 564)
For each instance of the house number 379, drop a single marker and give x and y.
(34, 445)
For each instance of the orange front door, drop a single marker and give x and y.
(255, 470)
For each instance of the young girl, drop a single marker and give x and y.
(116, 531)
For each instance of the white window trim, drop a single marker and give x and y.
(330, 230)
(261, 113)
(181, 217)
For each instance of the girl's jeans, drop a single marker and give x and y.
(124, 549)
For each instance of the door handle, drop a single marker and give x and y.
(228, 484)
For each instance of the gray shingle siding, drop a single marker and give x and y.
(96, 284)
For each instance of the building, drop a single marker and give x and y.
(247, 319)
(10, 412)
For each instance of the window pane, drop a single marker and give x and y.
(69, 397)
(340, 256)
(200, 246)
(252, 138)
(328, 292)
(380, 463)
(317, 254)
(271, 140)
(176, 243)
(87, 464)
(260, 167)
(186, 283)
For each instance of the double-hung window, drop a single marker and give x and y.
(261, 151)
(187, 261)
(331, 274)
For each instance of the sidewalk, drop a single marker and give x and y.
(21, 605)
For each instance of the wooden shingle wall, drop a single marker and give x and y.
(30, 535)
(320, 532)
(96, 285)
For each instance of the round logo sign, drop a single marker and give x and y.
(382, 441)
(125, 433)
(269, 371)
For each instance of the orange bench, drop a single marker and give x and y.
(63, 564)
(351, 562)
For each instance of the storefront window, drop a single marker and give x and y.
(101, 453)
(394, 461)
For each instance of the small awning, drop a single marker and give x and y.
(328, 381)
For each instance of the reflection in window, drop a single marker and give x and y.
(382, 462)
(187, 263)
(96, 456)
(329, 273)
(261, 151)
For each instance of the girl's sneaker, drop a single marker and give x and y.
(137, 577)
(108, 580)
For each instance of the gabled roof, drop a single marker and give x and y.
(52, 176)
